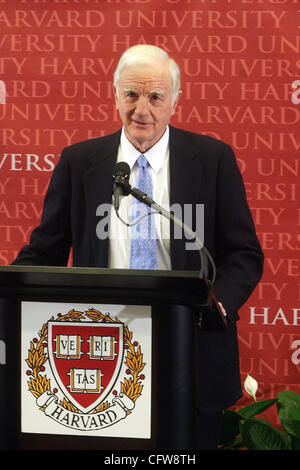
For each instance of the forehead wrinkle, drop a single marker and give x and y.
(135, 81)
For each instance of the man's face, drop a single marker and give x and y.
(145, 104)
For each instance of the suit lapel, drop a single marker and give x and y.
(98, 187)
(185, 185)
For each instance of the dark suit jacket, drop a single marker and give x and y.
(203, 170)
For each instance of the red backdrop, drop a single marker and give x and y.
(241, 83)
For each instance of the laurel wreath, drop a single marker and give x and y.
(39, 383)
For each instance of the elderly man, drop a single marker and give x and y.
(179, 167)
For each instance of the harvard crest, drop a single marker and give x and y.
(75, 365)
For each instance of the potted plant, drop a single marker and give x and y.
(243, 429)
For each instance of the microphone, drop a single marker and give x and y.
(143, 197)
(121, 175)
(211, 317)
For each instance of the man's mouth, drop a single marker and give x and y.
(141, 123)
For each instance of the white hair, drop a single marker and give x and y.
(144, 54)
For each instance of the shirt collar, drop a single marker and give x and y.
(155, 155)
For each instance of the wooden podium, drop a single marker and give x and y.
(179, 303)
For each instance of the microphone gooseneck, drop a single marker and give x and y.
(122, 187)
(211, 316)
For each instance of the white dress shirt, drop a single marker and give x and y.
(119, 243)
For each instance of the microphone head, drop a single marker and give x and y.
(121, 169)
(121, 175)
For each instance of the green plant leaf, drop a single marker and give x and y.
(257, 408)
(260, 435)
(288, 395)
(296, 422)
(295, 443)
(230, 427)
(288, 402)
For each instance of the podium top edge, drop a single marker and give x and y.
(99, 271)
(185, 287)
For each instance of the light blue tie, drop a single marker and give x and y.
(143, 253)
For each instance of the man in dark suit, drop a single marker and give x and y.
(186, 168)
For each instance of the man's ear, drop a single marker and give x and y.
(176, 102)
(116, 98)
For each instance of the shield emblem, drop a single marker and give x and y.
(85, 359)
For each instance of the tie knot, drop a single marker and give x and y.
(142, 161)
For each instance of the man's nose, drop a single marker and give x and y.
(142, 106)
